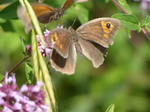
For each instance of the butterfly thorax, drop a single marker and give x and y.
(58, 13)
(75, 38)
(73, 34)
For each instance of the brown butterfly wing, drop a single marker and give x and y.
(44, 13)
(61, 38)
(24, 17)
(67, 4)
(93, 51)
(101, 30)
(64, 65)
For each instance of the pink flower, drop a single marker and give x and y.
(145, 4)
(45, 51)
(27, 99)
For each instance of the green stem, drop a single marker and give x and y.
(18, 64)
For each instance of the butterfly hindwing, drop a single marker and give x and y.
(91, 52)
(64, 65)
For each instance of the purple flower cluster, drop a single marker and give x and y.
(28, 49)
(44, 51)
(27, 99)
(145, 4)
(47, 51)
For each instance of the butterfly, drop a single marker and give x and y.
(44, 13)
(90, 39)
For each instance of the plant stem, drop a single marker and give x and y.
(16, 66)
(117, 4)
(146, 33)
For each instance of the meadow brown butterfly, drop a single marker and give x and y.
(44, 13)
(91, 39)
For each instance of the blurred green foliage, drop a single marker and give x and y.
(123, 79)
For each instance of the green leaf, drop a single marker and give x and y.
(29, 72)
(24, 43)
(145, 22)
(9, 12)
(82, 13)
(110, 108)
(7, 26)
(139, 29)
(147, 28)
(128, 21)
(125, 6)
(129, 33)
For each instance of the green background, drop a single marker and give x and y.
(123, 79)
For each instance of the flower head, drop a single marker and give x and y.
(28, 49)
(145, 4)
(45, 51)
(27, 99)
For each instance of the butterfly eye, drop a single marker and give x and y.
(108, 25)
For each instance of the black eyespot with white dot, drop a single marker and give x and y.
(108, 25)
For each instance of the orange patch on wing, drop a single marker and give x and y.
(54, 37)
(105, 35)
(56, 40)
(60, 46)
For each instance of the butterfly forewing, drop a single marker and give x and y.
(101, 30)
(43, 12)
(40, 9)
(67, 4)
(61, 39)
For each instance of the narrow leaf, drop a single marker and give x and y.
(29, 72)
(110, 108)
(145, 22)
(24, 43)
(147, 28)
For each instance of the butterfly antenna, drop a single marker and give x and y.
(74, 21)
(45, 26)
(59, 23)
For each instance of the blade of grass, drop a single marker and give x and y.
(40, 68)
(48, 82)
(34, 20)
